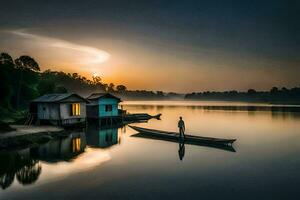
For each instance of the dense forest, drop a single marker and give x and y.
(22, 81)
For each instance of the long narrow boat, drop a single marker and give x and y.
(176, 140)
(191, 139)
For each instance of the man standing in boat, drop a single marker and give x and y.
(181, 127)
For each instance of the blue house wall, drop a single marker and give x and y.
(102, 102)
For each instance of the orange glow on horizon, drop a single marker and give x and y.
(139, 67)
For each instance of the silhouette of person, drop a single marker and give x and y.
(181, 127)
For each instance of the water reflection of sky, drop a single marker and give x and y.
(264, 166)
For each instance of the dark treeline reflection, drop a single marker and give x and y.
(25, 165)
(19, 165)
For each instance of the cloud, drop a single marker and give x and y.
(87, 54)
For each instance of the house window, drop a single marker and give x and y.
(108, 108)
(75, 109)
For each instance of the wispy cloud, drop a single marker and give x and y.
(91, 55)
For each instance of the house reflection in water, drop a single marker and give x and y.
(64, 149)
(25, 166)
(101, 137)
(76, 144)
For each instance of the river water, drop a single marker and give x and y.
(112, 163)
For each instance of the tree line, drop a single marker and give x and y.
(23, 81)
(274, 95)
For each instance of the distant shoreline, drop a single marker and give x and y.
(203, 102)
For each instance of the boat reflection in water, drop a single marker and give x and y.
(101, 137)
(25, 165)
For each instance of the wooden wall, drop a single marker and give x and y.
(65, 111)
(49, 111)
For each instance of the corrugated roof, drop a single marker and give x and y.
(102, 95)
(56, 97)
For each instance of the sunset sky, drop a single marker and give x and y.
(179, 46)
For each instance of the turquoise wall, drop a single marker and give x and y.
(106, 101)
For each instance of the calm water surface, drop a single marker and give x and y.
(113, 164)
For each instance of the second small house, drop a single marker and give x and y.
(103, 106)
(59, 109)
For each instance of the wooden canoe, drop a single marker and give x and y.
(189, 139)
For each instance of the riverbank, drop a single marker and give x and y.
(28, 136)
